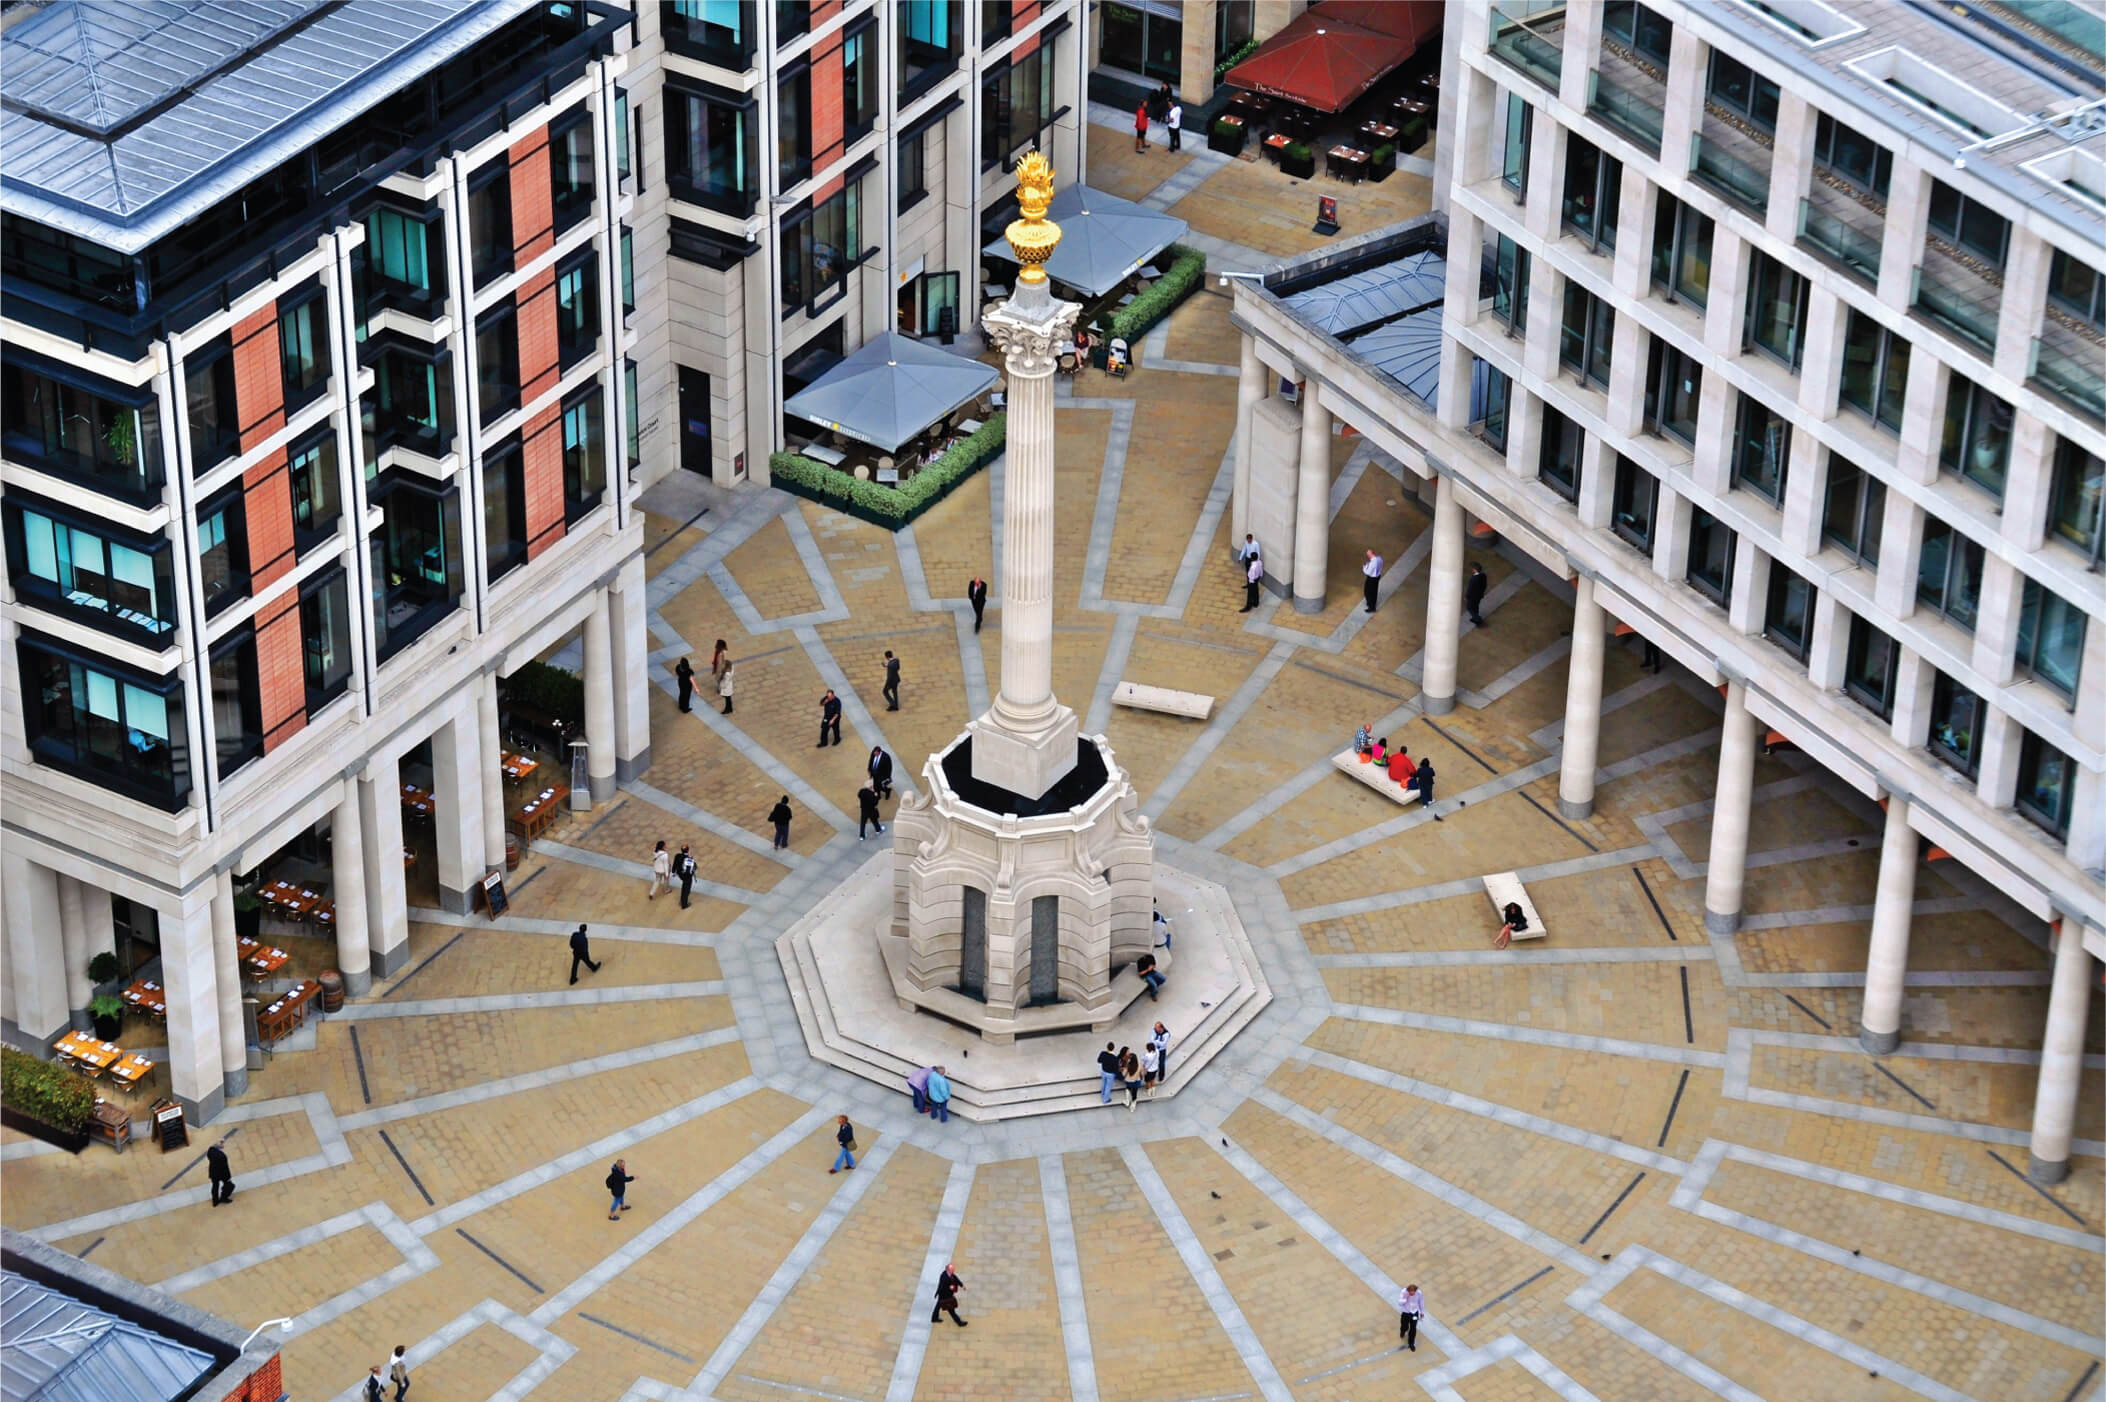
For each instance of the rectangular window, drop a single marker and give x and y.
(411, 403)
(1875, 371)
(630, 417)
(1510, 264)
(1519, 131)
(2050, 638)
(570, 175)
(930, 36)
(1969, 224)
(628, 273)
(208, 392)
(998, 21)
(1742, 91)
(1636, 504)
(121, 731)
(303, 346)
(1585, 340)
(317, 496)
(1854, 512)
(1638, 26)
(325, 639)
(710, 145)
(1870, 665)
(504, 509)
(2078, 289)
(237, 705)
(405, 260)
(621, 136)
(819, 250)
(913, 169)
(1761, 447)
(1498, 399)
(92, 439)
(792, 19)
(1949, 574)
(416, 565)
(1016, 104)
(1674, 387)
(584, 453)
(1788, 612)
(1711, 550)
(1956, 726)
(91, 574)
(1234, 25)
(793, 126)
(722, 32)
(578, 309)
(490, 221)
(2077, 503)
(223, 550)
(1593, 193)
(1852, 157)
(1977, 443)
(2047, 785)
(497, 362)
(1563, 444)
(1777, 300)
(1682, 250)
(859, 83)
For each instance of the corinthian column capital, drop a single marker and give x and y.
(1032, 345)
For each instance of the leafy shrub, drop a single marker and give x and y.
(881, 505)
(1227, 129)
(45, 1091)
(103, 967)
(1297, 152)
(1187, 270)
(540, 687)
(1248, 47)
(1413, 136)
(1384, 154)
(106, 1006)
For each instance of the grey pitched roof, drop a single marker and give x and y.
(126, 118)
(59, 1350)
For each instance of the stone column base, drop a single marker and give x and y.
(627, 769)
(387, 961)
(236, 1082)
(603, 787)
(1310, 603)
(2046, 1172)
(204, 1112)
(1569, 809)
(458, 902)
(356, 982)
(1878, 1043)
(1436, 705)
(1721, 922)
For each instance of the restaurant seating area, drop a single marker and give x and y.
(1361, 142)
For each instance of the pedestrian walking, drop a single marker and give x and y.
(829, 719)
(1130, 1077)
(1174, 119)
(845, 1136)
(1473, 593)
(880, 771)
(661, 870)
(780, 816)
(684, 674)
(1108, 1069)
(398, 1373)
(580, 953)
(618, 1180)
(724, 685)
(1371, 578)
(947, 1287)
(1151, 1064)
(222, 1176)
(684, 868)
(1411, 1308)
(376, 1391)
(719, 659)
(1140, 127)
(1253, 572)
(976, 595)
(918, 1087)
(939, 1095)
(867, 812)
(891, 681)
(1422, 779)
(1162, 1047)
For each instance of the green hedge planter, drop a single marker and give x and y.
(540, 687)
(44, 1099)
(890, 507)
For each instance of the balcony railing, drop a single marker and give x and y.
(1955, 311)
(1539, 57)
(1729, 175)
(1622, 108)
(2076, 380)
(1838, 244)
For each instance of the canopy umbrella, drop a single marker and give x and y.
(1415, 21)
(1320, 62)
(1409, 352)
(890, 390)
(1103, 239)
(1350, 303)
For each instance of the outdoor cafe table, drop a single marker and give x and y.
(1410, 107)
(148, 997)
(130, 1070)
(537, 813)
(323, 913)
(262, 959)
(1275, 144)
(832, 457)
(516, 766)
(1346, 161)
(1378, 131)
(294, 900)
(286, 1011)
(83, 1048)
(416, 800)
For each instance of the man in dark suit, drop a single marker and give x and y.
(580, 953)
(222, 1176)
(880, 772)
(976, 595)
(891, 681)
(829, 718)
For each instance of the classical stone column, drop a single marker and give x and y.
(2061, 1056)
(36, 951)
(73, 926)
(599, 699)
(491, 743)
(387, 893)
(1728, 869)
(628, 610)
(1312, 504)
(1893, 908)
(1582, 705)
(347, 855)
(1250, 388)
(188, 977)
(226, 975)
(457, 794)
(1444, 584)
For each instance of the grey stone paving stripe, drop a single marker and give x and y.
(1116, 656)
(972, 663)
(943, 1243)
(738, 525)
(1200, 545)
(1217, 729)
(1104, 520)
(789, 780)
(1200, 1267)
(749, 1325)
(1067, 1279)
(583, 995)
(1533, 1036)
(1474, 886)
(831, 604)
(665, 1225)
(1440, 1382)
(551, 1352)
(852, 707)
(711, 823)
(1496, 1218)
(636, 871)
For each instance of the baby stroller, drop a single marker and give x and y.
(1118, 359)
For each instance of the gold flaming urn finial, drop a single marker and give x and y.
(1033, 237)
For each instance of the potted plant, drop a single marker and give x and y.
(104, 969)
(108, 1011)
(1382, 162)
(248, 913)
(1227, 135)
(1297, 160)
(45, 1101)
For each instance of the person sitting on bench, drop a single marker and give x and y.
(1379, 756)
(1145, 967)
(1401, 769)
(1516, 921)
(1363, 740)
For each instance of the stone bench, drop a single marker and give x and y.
(1162, 698)
(1503, 887)
(1375, 776)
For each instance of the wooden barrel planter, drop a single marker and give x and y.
(512, 851)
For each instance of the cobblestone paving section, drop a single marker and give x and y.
(1630, 1162)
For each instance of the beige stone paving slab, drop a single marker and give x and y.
(1978, 1092)
(1631, 1002)
(1252, 203)
(2063, 1283)
(1335, 808)
(471, 1366)
(1179, 442)
(1150, 743)
(295, 1283)
(692, 762)
(1810, 815)
(933, 706)
(1516, 631)
(321, 1361)
(628, 827)
(1619, 803)
(1501, 833)
(1079, 440)
(840, 1328)
(1274, 1271)
(565, 889)
(1117, 169)
(1592, 909)
(666, 540)
(956, 539)
(771, 572)
(1608, 1366)
(1963, 939)
(482, 962)
(1014, 1347)
(1154, 1337)
(1975, 1017)
(1200, 329)
(1505, 1382)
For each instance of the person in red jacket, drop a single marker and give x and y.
(1400, 766)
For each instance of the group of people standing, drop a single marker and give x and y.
(931, 1088)
(1162, 107)
(1118, 1066)
(719, 667)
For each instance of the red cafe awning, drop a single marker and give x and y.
(1412, 20)
(1320, 62)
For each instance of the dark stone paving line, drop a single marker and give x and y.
(1506, 1294)
(676, 534)
(1673, 1106)
(99, 1241)
(400, 982)
(365, 1092)
(1654, 902)
(1570, 831)
(1436, 728)
(647, 1343)
(1688, 1019)
(1918, 1095)
(2060, 1205)
(196, 1161)
(2091, 1370)
(1825, 1023)
(1611, 1208)
(524, 1279)
(422, 1191)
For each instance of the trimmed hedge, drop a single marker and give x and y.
(540, 687)
(45, 1091)
(1243, 51)
(1187, 270)
(881, 505)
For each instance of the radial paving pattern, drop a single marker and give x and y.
(1626, 1162)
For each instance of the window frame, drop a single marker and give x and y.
(2067, 486)
(504, 465)
(1953, 226)
(587, 408)
(1959, 750)
(1778, 429)
(578, 323)
(1589, 352)
(686, 117)
(1868, 509)
(1622, 496)
(307, 305)
(232, 504)
(248, 691)
(1888, 374)
(126, 774)
(914, 166)
(1701, 524)
(495, 397)
(2033, 753)
(1498, 406)
(1783, 584)
(1562, 439)
(320, 447)
(1519, 143)
(1598, 234)
(1682, 229)
(90, 591)
(325, 677)
(485, 223)
(1510, 272)
(1749, 107)
(1961, 440)
(1876, 180)
(1956, 561)
(570, 150)
(2031, 641)
(1857, 654)
(1664, 362)
(208, 371)
(2090, 309)
(1634, 33)
(1762, 271)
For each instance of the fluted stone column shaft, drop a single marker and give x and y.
(1250, 388)
(2061, 1056)
(492, 743)
(1582, 705)
(1312, 504)
(226, 976)
(1728, 868)
(347, 855)
(1893, 909)
(73, 929)
(1444, 584)
(599, 702)
(1027, 535)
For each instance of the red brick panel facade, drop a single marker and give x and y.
(824, 10)
(542, 465)
(539, 365)
(533, 213)
(829, 133)
(266, 505)
(259, 376)
(1025, 49)
(1023, 13)
(266, 1384)
(281, 679)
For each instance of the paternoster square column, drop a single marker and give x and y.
(1026, 741)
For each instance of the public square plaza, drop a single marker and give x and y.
(1628, 1161)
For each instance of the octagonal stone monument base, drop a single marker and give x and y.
(842, 984)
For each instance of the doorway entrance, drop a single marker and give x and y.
(694, 421)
